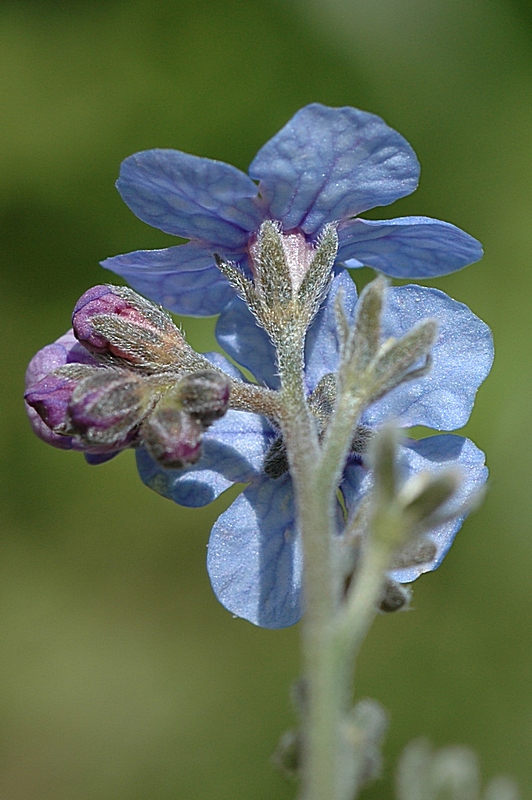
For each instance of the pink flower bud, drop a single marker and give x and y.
(119, 326)
(173, 432)
(172, 437)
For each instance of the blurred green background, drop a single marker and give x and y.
(121, 678)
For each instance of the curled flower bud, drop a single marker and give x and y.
(426, 494)
(47, 394)
(118, 325)
(50, 398)
(395, 596)
(107, 408)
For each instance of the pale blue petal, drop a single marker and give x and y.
(254, 558)
(356, 483)
(433, 453)
(220, 361)
(332, 163)
(321, 347)
(233, 452)
(462, 358)
(242, 339)
(184, 279)
(436, 453)
(407, 247)
(189, 196)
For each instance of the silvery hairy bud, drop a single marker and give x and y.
(119, 326)
(291, 276)
(451, 772)
(173, 432)
(362, 732)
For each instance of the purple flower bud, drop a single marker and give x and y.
(96, 301)
(107, 408)
(118, 325)
(173, 432)
(50, 398)
(172, 437)
(47, 395)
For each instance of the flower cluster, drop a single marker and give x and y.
(314, 177)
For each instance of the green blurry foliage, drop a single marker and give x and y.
(121, 678)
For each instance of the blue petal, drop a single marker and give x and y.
(241, 338)
(220, 361)
(188, 196)
(254, 558)
(332, 163)
(321, 347)
(407, 247)
(94, 459)
(233, 452)
(433, 453)
(183, 279)
(462, 358)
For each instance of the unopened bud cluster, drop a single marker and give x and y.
(452, 773)
(402, 513)
(370, 368)
(139, 383)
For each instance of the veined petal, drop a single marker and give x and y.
(433, 453)
(183, 279)
(321, 347)
(328, 164)
(254, 558)
(462, 358)
(407, 247)
(233, 452)
(189, 196)
(241, 338)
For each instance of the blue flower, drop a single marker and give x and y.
(254, 555)
(325, 165)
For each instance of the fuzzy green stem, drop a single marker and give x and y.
(325, 698)
(358, 613)
(331, 632)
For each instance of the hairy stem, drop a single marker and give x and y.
(324, 696)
